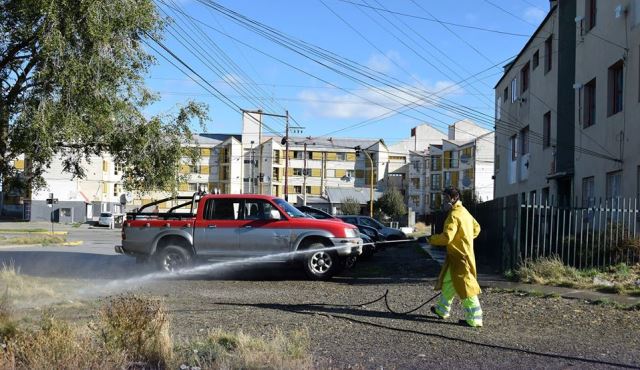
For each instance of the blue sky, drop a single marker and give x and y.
(414, 49)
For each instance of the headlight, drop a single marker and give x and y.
(350, 233)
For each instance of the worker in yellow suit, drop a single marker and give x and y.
(458, 275)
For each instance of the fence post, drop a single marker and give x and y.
(516, 251)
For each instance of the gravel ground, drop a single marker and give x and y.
(520, 331)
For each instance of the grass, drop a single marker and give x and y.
(26, 230)
(621, 278)
(40, 239)
(132, 332)
(33, 290)
(221, 349)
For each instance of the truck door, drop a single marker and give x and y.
(216, 234)
(260, 234)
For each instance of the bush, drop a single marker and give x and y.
(57, 345)
(137, 326)
(392, 204)
(546, 270)
(350, 206)
(8, 327)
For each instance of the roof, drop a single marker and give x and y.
(508, 66)
(337, 195)
(331, 143)
(220, 137)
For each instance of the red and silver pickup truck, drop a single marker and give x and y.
(229, 227)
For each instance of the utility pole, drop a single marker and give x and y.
(304, 178)
(358, 149)
(286, 157)
(252, 179)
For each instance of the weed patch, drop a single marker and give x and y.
(616, 279)
(221, 349)
(39, 239)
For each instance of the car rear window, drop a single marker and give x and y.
(105, 215)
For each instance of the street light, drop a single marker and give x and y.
(358, 149)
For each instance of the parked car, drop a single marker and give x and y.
(369, 235)
(388, 232)
(317, 213)
(106, 219)
(234, 227)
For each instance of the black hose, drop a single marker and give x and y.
(385, 296)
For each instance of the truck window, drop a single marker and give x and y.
(257, 209)
(222, 209)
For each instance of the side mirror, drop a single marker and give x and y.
(274, 214)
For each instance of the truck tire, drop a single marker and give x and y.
(321, 264)
(173, 258)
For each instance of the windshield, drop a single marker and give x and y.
(372, 223)
(291, 210)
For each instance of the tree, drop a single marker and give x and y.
(72, 87)
(350, 206)
(392, 204)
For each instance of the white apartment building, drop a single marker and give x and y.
(463, 160)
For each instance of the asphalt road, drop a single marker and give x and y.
(520, 331)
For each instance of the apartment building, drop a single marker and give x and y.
(464, 160)
(564, 107)
(535, 115)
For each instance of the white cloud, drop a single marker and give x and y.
(534, 15)
(383, 63)
(370, 103)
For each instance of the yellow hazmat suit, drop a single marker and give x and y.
(458, 275)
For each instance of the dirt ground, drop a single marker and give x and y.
(521, 331)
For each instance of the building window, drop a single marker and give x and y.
(341, 156)
(590, 103)
(548, 54)
(116, 189)
(117, 168)
(505, 94)
(297, 189)
(588, 198)
(308, 190)
(546, 130)
(498, 109)
(524, 141)
(193, 187)
(615, 87)
(513, 140)
(297, 172)
(536, 59)
(436, 164)
(613, 184)
(524, 78)
(514, 89)
(590, 14)
(436, 182)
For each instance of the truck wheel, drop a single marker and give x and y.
(320, 264)
(173, 258)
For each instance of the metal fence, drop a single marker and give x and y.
(597, 235)
(600, 234)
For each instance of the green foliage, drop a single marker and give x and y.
(73, 88)
(350, 206)
(392, 204)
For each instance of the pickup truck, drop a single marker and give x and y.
(226, 227)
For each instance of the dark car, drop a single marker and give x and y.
(388, 232)
(370, 236)
(316, 213)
